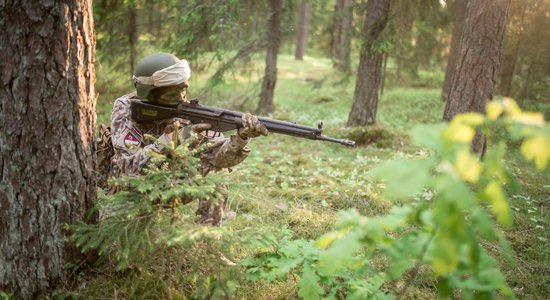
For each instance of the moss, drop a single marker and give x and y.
(374, 135)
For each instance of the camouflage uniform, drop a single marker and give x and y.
(130, 150)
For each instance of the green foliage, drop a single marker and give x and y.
(214, 26)
(6, 296)
(300, 186)
(146, 226)
(147, 209)
(441, 231)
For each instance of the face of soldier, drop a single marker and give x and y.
(171, 95)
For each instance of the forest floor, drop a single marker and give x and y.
(300, 185)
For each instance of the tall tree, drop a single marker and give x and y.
(369, 73)
(430, 19)
(478, 61)
(337, 27)
(132, 35)
(459, 16)
(47, 120)
(512, 43)
(273, 42)
(301, 37)
(401, 27)
(344, 48)
(534, 62)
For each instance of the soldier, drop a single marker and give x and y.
(162, 78)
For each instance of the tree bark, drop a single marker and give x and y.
(273, 42)
(365, 99)
(459, 11)
(47, 120)
(344, 48)
(512, 42)
(303, 27)
(478, 61)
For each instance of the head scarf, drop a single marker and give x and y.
(172, 75)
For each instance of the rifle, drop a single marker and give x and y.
(223, 120)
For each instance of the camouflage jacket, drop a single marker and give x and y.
(130, 148)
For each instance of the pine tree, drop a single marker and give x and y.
(148, 212)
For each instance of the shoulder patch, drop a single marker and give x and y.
(133, 137)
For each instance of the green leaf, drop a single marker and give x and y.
(494, 110)
(468, 166)
(456, 191)
(470, 118)
(537, 149)
(404, 177)
(428, 135)
(450, 237)
(487, 280)
(445, 259)
(340, 254)
(444, 287)
(308, 286)
(528, 118)
(395, 219)
(324, 241)
(499, 205)
(459, 132)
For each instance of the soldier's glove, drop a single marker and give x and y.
(251, 127)
(196, 130)
(200, 127)
(182, 133)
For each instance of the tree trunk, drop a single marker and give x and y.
(527, 87)
(459, 11)
(273, 43)
(47, 120)
(478, 61)
(132, 36)
(384, 73)
(337, 28)
(404, 16)
(301, 37)
(511, 47)
(344, 48)
(365, 99)
(151, 8)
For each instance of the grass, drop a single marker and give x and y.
(301, 184)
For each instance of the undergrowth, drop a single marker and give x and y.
(297, 188)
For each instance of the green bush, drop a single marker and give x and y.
(148, 233)
(437, 238)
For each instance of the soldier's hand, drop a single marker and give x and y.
(251, 127)
(200, 127)
(199, 137)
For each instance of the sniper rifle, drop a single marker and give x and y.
(223, 120)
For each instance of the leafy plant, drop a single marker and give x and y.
(438, 237)
(145, 227)
(147, 209)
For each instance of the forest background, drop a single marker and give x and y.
(300, 204)
(320, 44)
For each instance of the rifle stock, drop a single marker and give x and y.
(223, 120)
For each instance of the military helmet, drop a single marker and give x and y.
(147, 66)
